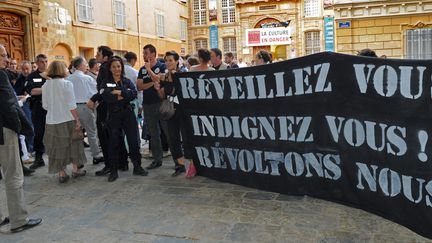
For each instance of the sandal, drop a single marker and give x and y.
(79, 173)
(64, 179)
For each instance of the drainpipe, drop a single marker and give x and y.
(139, 54)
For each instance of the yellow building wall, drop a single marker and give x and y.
(383, 35)
(381, 27)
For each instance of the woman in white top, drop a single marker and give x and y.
(62, 138)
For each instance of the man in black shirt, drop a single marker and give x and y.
(34, 87)
(103, 54)
(147, 76)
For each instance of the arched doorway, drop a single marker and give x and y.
(62, 52)
(276, 51)
(12, 35)
(259, 25)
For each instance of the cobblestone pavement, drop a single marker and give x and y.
(159, 208)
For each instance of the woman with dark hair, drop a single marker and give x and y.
(204, 59)
(117, 92)
(191, 61)
(367, 53)
(62, 122)
(263, 57)
(177, 123)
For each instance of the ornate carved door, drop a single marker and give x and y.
(12, 35)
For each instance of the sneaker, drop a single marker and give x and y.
(166, 154)
(147, 154)
(27, 161)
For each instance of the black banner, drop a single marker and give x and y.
(349, 129)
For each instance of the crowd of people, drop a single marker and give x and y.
(106, 99)
(50, 108)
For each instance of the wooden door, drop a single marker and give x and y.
(17, 47)
(4, 40)
(12, 35)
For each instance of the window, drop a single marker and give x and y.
(419, 44)
(160, 25)
(228, 11)
(199, 12)
(183, 27)
(120, 14)
(229, 45)
(312, 8)
(201, 44)
(313, 42)
(85, 10)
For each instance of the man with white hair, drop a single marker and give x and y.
(12, 122)
(84, 89)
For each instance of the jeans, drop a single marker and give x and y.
(152, 117)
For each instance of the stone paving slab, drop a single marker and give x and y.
(159, 208)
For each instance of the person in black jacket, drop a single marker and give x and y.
(12, 122)
(34, 87)
(103, 55)
(117, 93)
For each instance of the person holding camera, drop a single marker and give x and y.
(177, 134)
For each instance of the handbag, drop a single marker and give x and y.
(77, 134)
(166, 109)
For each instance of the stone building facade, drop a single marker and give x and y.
(66, 28)
(226, 24)
(396, 29)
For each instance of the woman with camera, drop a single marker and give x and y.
(177, 123)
